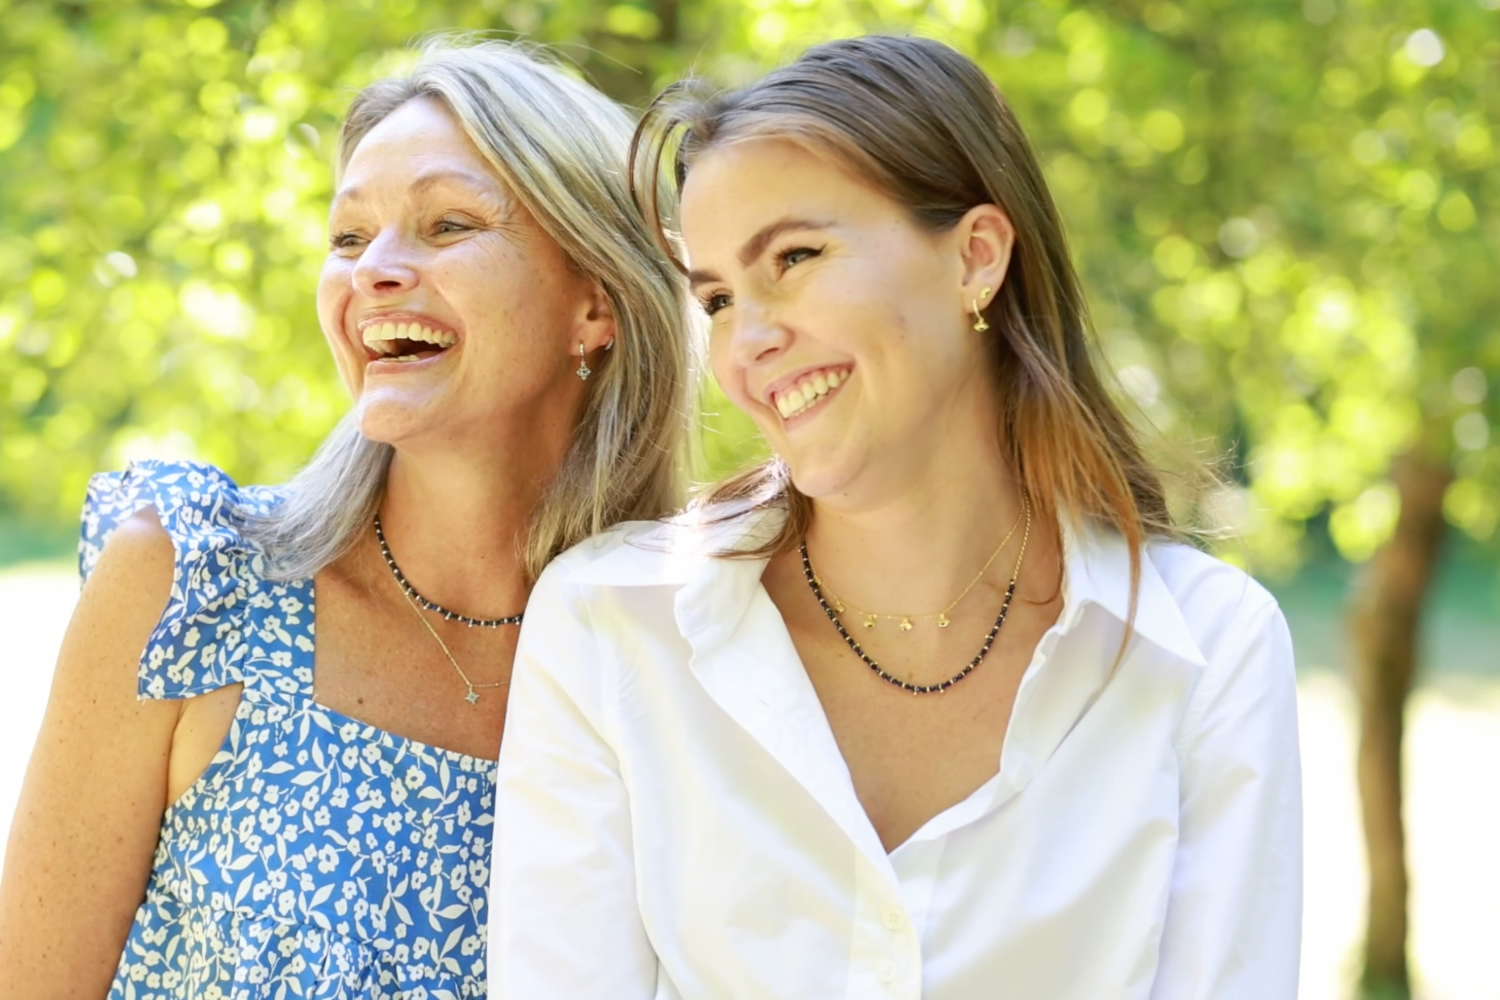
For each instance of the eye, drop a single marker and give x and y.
(447, 226)
(713, 303)
(795, 256)
(344, 241)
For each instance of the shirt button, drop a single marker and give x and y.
(895, 919)
(885, 971)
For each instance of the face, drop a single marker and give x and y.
(838, 324)
(451, 315)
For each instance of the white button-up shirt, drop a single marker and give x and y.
(675, 820)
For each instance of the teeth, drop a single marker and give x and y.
(382, 337)
(804, 395)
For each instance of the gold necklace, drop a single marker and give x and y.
(473, 696)
(942, 686)
(943, 621)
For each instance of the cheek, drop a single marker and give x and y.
(730, 376)
(334, 291)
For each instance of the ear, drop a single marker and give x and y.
(596, 325)
(986, 239)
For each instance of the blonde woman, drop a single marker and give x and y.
(514, 345)
(936, 704)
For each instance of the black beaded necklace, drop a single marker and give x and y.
(411, 592)
(942, 686)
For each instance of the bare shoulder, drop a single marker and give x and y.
(134, 576)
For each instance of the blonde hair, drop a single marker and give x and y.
(561, 147)
(925, 126)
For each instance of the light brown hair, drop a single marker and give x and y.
(925, 126)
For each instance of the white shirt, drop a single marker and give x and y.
(675, 820)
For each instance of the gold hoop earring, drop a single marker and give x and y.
(583, 368)
(979, 324)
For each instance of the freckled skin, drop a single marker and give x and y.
(466, 254)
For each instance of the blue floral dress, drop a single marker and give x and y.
(317, 857)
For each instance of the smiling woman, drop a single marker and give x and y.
(267, 763)
(936, 704)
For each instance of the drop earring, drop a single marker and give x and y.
(583, 367)
(979, 324)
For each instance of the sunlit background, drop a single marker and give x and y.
(1287, 215)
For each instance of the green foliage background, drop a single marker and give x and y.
(1287, 214)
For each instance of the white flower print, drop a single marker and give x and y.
(268, 879)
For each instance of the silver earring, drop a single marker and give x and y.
(583, 367)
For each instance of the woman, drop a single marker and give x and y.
(934, 704)
(514, 344)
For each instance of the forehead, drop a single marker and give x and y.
(418, 137)
(741, 186)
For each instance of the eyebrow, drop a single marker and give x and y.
(756, 245)
(424, 181)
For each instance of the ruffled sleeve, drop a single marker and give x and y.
(198, 645)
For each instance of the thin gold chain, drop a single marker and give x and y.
(473, 696)
(871, 617)
(942, 686)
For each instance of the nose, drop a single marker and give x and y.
(757, 335)
(386, 266)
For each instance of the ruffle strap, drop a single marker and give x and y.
(196, 647)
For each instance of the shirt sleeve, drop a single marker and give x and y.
(1234, 918)
(564, 918)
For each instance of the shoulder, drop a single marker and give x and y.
(172, 529)
(1239, 628)
(664, 553)
(196, 506)
(1210, 592)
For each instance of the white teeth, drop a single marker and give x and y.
(804, 395)
(382, 337)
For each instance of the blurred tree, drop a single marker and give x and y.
(1288, 215)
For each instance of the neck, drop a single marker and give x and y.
(913, 546)
(457, 527)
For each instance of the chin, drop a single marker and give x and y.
(820, 479)
(390, 421)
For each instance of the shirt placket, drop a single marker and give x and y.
(886, 957)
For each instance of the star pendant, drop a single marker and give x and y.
(472, 697)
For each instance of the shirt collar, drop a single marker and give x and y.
(687, 552)
(1096, 563)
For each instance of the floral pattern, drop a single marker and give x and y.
(318, 856)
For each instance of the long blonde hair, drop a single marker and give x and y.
(560, 146)
(925, 126)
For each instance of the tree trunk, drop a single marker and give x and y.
(1384, 619)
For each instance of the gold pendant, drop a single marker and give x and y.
(943, 621)
(472, 697)
(905, 624)
(869, 621)
(838, 605)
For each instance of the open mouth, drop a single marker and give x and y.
(810, 390)
(406, 341)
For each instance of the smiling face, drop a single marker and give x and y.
(839, 323)
(451, 314)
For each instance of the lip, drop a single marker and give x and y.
(378, 361)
